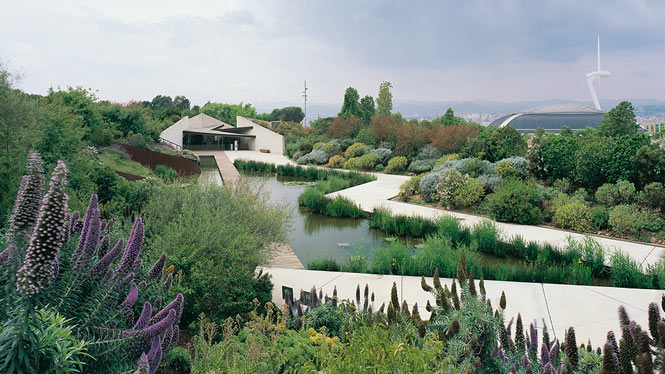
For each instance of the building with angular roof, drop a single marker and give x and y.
(552, 118)
(203, 132)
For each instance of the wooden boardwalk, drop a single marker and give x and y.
(224, 164)
(284, 258)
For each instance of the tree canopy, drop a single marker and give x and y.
(351, 106)
(384, 102)
(619, 121)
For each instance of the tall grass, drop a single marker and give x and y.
(349, 179)
(402, 225)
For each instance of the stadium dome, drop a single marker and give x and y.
(552, 118)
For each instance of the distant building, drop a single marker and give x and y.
(203, 132)
(552, 118)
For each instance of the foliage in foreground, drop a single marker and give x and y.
(71, 302)
(215, 236)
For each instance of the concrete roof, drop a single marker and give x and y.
(218, 133)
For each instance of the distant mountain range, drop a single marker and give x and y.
(425, 109)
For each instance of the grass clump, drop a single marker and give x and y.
(402, 225)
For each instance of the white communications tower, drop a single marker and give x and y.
(595, 76)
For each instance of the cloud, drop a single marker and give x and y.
(254, 51)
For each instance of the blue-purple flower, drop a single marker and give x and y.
(132, 296)
(102, 266)
(157, 269)
(144, 318)
(132, 250)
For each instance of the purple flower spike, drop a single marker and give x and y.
(47, 238)
(167, 282)
(159, 327)
(104, 246)
(157, 269)
(157, 305)
(166, 339)
(132, 250)
(73, 220)
(155, 355)
(176, 333)
(533, 346)
(102, 266)
(143, 367)
(132, 296)
(144, 318)
(90, 244)
(544, 354)
(125, 281)
(176, 305)
(87, 218)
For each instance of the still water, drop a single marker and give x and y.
(311, 235)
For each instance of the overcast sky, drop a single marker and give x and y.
(261, 51)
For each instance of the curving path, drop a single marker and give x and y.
(591, 310)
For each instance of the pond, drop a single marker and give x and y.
(311, 236)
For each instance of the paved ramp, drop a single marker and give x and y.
(224, 164)
(591, 310)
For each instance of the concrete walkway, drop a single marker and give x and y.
(224, 164)
(376, 194)
(592, 311)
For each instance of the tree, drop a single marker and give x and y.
(452, 138)
(619, 121)
(351, 106)
(17, 132)
(345, 128)
(367, 109)
(496, 143)
(449, 118)
(287, 114)
(181, 103)
(228, 112)
(384, 102)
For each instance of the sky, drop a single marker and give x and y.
(262, 51)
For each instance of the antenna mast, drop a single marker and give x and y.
(304, 94)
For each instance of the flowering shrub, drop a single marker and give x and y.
(421, 166)
(62, 278)
(512, 167)
(317, 156)
(451, 182)
(355, 150)
(411, 186)
(573, 215)
(396, 165)
(336, 161)
(384, 154)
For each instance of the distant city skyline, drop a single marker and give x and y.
(249, 51)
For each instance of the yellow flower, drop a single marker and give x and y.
(169, 270)
(579, 261)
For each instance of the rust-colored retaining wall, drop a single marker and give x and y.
(129, 177)
(151, 159)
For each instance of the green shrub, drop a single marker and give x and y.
(313, 199)
(355, 264)
(396, 165)
(324, 264)
(390, 259)
(379, 168)
(446, 158)
(215, 236)
(599, 218)
(506, 169)
(355, 150)
(178, 360)
(318, 145)
(626, 192)
(449, 227)
(341, 207)
(165, 172)
(573, 215)
(328, 316)
(336, 161)
(653, 195)
(607, 194)
(352, 163)
(626, 272)
(366, 162)
(469, 194)
(450, 183)
(623, 219)
(421, 166)
(411, 187)
(515, 201)
(136, 140)
(486, 235)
